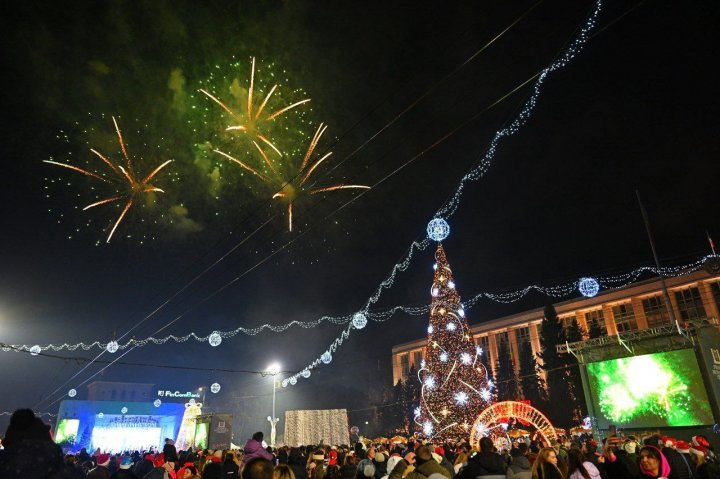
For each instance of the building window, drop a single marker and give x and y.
(655, 311)
(567, 321)
(522, 336)
(404, 365)
(484, 342)
(715, 289)
(624, 318)
(113, 395)
(417, 359)
(690, 304)
(598, 317)
(502, 338)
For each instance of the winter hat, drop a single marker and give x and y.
(159, 460)
(369, 470)
(392, 462)
(440, 450)
(379, 457)
(126, 462)
(436, 475)
(437, 457)
(103, 459)
(592, 442)
(698, 451)
(630, 447)
(700, 441)
(668, 441)
(682, 447)
(218, 454)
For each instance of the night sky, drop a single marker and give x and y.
(636, 110)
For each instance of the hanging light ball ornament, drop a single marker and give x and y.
(305, 373)
(112, 347)
(326, 357)
(588, 287)
(101, 415)
(284, 383)
(214, 388)
(157, 403)
(124, 410)
(72, 393)
(215, 339)
(438, 229)
(35, 350)
(293, 380)
(359, 321)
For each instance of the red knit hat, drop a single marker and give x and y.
(159, 460)
(103, 459)
(682, 447)
(440, 450)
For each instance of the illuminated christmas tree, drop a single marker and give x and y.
(456, 386)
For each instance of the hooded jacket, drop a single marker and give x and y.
(664, 469)
(254, 449)
(519, 469)
(422, 471)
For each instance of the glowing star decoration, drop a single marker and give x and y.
(292, 380)
(112, 347)
(451, 326)
(588, 287)
(305, 373)
(428, 428)
(131, 187)
(430, 329)
(486, 394)
(466, 359)
(438, 229)
(157, 403)
(35, 350)
(359, 320)
(444, 357)
(124, 410)
(215, 388)
(326, 357)
(461, 398)
(430, 382)
(72, 393)
(416, 412)
(215, 339)
(257, 117)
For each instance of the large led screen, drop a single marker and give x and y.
(653, 390)
(201, 434)
(67, 431)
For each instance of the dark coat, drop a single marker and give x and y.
(230, 470)
(483, 464)
(347, 471)
(213, 470)
(422, 471)
(32, 459)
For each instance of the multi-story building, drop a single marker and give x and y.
(637, 306)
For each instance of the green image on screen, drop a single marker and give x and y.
(653, 390)
(67, 431)
(201, 434)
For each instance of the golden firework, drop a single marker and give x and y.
(291, 189)
(250, 123)
(125, 175)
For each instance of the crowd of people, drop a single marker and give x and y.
(30, 453)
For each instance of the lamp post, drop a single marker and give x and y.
(273, 371)
(202, 390)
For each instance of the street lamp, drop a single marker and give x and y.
(273, 370)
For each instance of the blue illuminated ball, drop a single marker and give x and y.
(438, 229)
(359, 320)
(588, 287)
(326, 357)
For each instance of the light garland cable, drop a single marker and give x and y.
(474, 174)
(7, 413)
(557, 291)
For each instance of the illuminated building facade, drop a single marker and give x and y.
(635, 307)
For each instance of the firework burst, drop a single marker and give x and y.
(122, 175)
(291, 189)
(252, 123)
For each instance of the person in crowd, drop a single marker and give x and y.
(654, 464)
(254, 449)
(72, 469)
(29, 452)
(258, 468)
(283, 471)
(425, 466)
(546, 465)
(579, 467)
(366, 467)
(143, 466)
(704, 468)
(230, 467)
(380, 464)
(213, 467)
(170, 451)
(520, 467)
(297, 463)
(125, 469)
(316, 465)
(332, 472)
(102, 470)
(460, 460)
(486, 462)
(349, 467)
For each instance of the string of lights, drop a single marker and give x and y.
(7, 413)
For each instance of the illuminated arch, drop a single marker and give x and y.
(489, 420)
